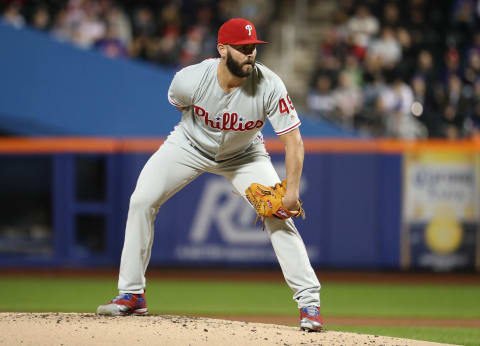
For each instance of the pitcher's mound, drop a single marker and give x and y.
(88, 329)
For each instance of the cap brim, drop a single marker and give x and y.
(244, 42)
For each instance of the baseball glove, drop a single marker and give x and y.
(267, 201)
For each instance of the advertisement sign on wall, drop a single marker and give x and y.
(440, 210)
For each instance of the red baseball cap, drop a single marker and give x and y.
(238, 31)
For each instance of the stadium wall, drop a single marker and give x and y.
(354, 194)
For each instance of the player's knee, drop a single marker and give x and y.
(141, 202)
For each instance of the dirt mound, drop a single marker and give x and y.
(88, 329)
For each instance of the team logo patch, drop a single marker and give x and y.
(249, 28)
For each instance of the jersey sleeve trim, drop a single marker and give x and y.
(289, 129)
(173, 102)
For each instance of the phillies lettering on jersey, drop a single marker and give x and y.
(228, 121)
(224, 125)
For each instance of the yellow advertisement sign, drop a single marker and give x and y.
(440, 210)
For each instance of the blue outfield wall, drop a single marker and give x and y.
(352, 201)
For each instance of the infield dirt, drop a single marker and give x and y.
(63, 329)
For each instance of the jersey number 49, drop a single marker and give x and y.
(282, 105)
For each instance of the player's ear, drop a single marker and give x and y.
(222, 50)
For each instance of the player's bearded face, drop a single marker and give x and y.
(244, 67)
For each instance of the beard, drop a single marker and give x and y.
(235, 68)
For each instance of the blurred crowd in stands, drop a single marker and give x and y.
(404, 69)
(172, 33)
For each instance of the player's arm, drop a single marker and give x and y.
(294, 155)
(180, 93)
(284, 119)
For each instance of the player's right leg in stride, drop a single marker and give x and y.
(125, 304)
(310, 319)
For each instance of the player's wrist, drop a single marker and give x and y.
(292, 196)
(291, 203)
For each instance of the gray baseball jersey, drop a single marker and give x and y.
(224, 125)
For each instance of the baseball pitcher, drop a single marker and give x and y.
(225, 102)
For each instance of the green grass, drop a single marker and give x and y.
(164, 296)
(186, 296)
(458, 336)
(402, 300)
(227, 297)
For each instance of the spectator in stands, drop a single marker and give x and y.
(455, 109)
(205, 22)
(368, 120)
(406, 65)
(144, 30)
(13, 14)
(391, 15)
(363, 26)
(41, 18)
(333, 45)
(463, 21)
(143, 22)
(321, 100)
(192, 46)
(90, 28)
(452, 65)
(417, 27)
(118, 21)
(61, 30)
(471, 72)
(423, 105)
(386, 48)
(167, 44)
(354, 70)
(451, 124)
(168, 48)
(373, 66)
(111, 45)
(328, 65)
(354, 48)
(170, 21)
(394, 105)
(425, 67)
(347, 99)
(74, 15)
